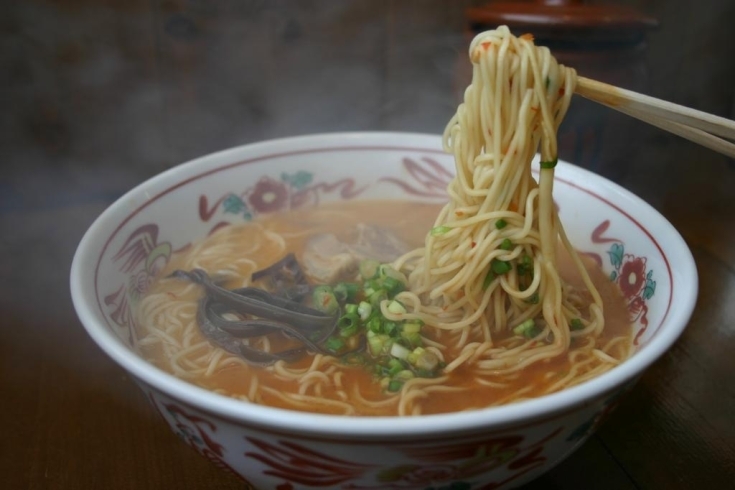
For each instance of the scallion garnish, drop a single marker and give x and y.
(396, 307)
(533, 299)
(324, 299)
(500, 224)
(375, 324)
(440, 230)
(394, 385)
(525, 266)
(506, 244)
(411, 327)
(390, 327)
(500, 267)
(349, 324)
(527, 329)
(550, 164)
(334, 344)
(576, 324)
(393, 286)
(346, 291)
(489, 278)
(377, 297)
(375, 344)
(369, 269)
(394, 348)
(414, 339)
(364, 309)
(399, 352)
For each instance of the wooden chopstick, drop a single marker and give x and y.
(692, 134)
(697, 126)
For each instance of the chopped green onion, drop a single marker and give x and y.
(550, 164)
(391, 280)
(500, 267)
(526, 265)
(385, 270)
(393, 286)
(576, 324)
(395, 366)
(506, 244)
(364, 309)
(349, 324)
(395, 385)
(390, 327)
(346, 291)
(500, 224)
(414, 355)
(350, 309)
(405, 375)
(497, 268)
(489, 278)
(414, 339)
(533, 299)
(427, 361)
(348, 319)
(528, 329)
(377, 297)
(411, 327)
(440, 230)
(387, 343)
(334, 344)
(396, 307)
(375, 344)
(375, 324)
(369, 269)
(324, 299)
(398, 351)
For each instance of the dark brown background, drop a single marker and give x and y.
(96, 96)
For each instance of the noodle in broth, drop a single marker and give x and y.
(517, 100)
(508, 306)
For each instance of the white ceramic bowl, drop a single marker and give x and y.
(273, 448)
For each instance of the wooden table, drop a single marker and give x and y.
(72, 419)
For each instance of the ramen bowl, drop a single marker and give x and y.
(497, 447)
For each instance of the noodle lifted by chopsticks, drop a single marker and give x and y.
(488, 271)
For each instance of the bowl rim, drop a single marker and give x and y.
(375, 427)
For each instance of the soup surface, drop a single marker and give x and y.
(171, 339)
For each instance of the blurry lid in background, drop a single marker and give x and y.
(554, 22)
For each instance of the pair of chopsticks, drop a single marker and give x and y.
(697, 126)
